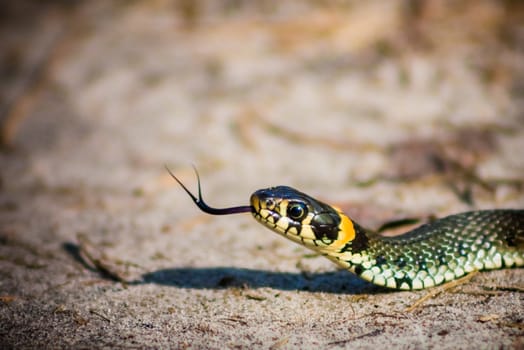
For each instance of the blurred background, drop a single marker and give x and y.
(386, 108)
(322, 94)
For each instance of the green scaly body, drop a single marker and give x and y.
(440, 251)
(429, 255)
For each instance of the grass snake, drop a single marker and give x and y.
(431, 254)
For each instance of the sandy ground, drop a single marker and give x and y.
(388, 109)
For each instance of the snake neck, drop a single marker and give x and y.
(383, 262)
(356, 254)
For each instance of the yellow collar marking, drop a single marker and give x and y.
(346, 231)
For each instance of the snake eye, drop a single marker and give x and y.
(296, 211)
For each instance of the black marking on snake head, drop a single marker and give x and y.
(292, 224)
(325, 225)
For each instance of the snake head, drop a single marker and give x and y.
(301, 218)
(291, 213)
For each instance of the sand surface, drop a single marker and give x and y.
(386, 109)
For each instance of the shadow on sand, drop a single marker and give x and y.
(340, 281)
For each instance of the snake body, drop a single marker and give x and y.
(429, 255)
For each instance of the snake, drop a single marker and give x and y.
(431, 254)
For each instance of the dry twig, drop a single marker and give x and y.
(436, 291)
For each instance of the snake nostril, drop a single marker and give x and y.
(270, 203)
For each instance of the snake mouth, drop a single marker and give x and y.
(263, 210)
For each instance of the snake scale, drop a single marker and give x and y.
(429, 255)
